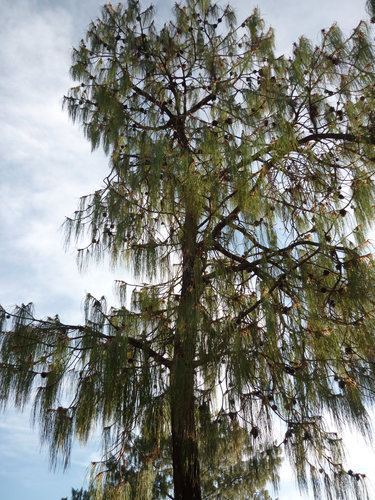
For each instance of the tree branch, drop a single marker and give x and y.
(330, 135)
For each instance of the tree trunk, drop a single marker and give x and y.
(186, 475)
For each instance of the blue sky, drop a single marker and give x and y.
(46, 164)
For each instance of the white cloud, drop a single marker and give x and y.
(45, 163)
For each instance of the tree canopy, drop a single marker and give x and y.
(370, 4)
(79, 495)
(240, 193)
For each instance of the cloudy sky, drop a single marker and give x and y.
(46, 164)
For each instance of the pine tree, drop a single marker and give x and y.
(370, 4)
(240, 193)
(79, 495)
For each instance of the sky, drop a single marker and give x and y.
(46, 164)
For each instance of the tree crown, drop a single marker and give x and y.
(268, 161)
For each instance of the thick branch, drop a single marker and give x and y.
(143, 346)
(330, 135)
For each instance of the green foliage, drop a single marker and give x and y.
(79, 495)
(241, 188)
(370, 4)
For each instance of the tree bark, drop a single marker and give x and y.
(186, 473)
